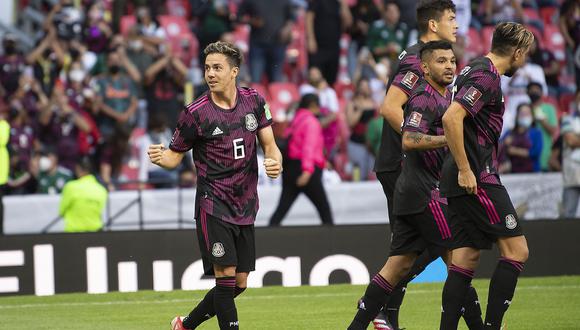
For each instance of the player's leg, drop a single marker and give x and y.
(514, 253)
(289, 193)
(223, 298)
(404, 248)
(314, 190)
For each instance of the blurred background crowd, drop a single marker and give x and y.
(104, 79)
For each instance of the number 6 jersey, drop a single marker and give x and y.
(224, 152)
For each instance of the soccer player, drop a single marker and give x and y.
(435, 21)
(480, 210)
(221, 127)
(420, 212)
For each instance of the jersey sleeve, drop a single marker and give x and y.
(185, 133)
(478, 89)
(409, 74)
(418, 115)
(264, 113)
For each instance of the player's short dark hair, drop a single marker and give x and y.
(510, 36)
(85, 164)
(391, 2)
(431, 9)
(431, 46)
(232, 53)
(307, 100)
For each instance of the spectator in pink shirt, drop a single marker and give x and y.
(304, 162)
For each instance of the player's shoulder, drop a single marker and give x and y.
(248, 92)
(480, 65)
(199, 104)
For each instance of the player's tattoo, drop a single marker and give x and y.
(414, 136)
(425, 141)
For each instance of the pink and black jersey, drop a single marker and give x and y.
(419, 179)
(479, 92)
(224, 151)
(407, 76)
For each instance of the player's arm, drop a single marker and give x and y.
(392, 107)
(421, 141)
(272, 155)
(164, 157)
(453, 126)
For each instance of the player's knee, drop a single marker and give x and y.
(522, 253)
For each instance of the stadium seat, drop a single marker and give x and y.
(473, 44)
(538, 34)
(284, 93)
(565, 101)
(126, 23)
(174, 26)
(554, 41)
(531, 13)
(549, 14)
(486, 37)
(343, 90)
(261, 90)
(279, 111)
(179, 8)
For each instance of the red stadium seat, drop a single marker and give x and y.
(127, 22)
(284, 93)
(473, 44)
(174, 26)
(554, 41)
(261, 90)
(279, 111)
(565, 101)
(537, 33)
(486, 37)
(531, 13)
(549, 14)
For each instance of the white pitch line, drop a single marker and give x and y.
(285, 296)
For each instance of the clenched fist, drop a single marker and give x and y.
(273, 168)
(155, 153)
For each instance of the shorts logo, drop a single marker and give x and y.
(410, 80)
(251, 122)
(414, 119)
(402, 55)
(510, 221)
(218, 250)
(472, 95)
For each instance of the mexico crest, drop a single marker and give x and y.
(251, 122)
(218, 250)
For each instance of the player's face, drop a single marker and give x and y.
(219, 74)
(518, 60)
(447, 26)
(441, 66)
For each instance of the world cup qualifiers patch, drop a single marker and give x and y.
(415, 119)
(267, 111)
(410, 79)
(472, 95)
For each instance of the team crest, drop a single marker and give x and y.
(410, 80)
(415, 119)
(473, 95)
(218, 250)
(251, 122)
(510, 221)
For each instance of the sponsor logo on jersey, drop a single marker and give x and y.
(217, 131)
(251, 122)
(410, 80)
(473, 95)
(415, 119)
(218, 250)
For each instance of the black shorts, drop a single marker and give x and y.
(226, 244)
(388, 181)
(477, 221)
(427, 230)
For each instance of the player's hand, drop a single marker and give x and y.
(273, 168)
(303, 179)
(467, 180)
(155, 153)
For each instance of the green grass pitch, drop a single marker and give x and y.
(540, 303)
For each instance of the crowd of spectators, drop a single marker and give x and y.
(107, 78)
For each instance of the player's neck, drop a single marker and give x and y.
(226, 99)
(440, 89)
(501, 63)
(429, 36)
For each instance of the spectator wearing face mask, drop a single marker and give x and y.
(50, 176)
(523, 145)
(546, 121)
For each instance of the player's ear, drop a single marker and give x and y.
(425, 68)
(235, 71)
(433, 25)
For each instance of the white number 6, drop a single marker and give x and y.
(239, 151)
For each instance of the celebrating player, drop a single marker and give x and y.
(221, 127)
(480, 210)
(421, 222)
(435, 21)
